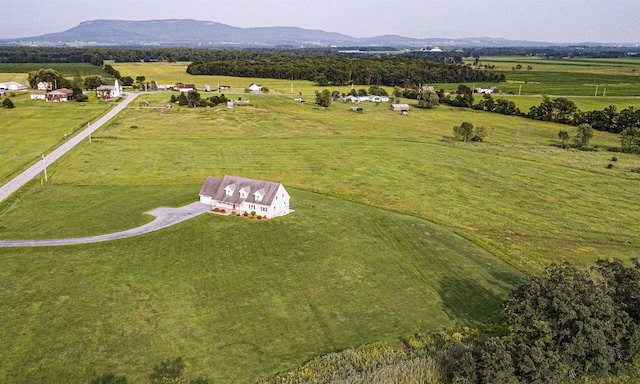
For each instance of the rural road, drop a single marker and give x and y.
(165, 217)
(32, 172)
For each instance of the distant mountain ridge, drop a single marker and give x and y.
(190, 33)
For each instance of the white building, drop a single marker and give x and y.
(255, 88)
(239, 194)
(13, 86)
(45, 86)
(109, 91)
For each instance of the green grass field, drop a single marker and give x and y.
(397, 229)
(35, 127)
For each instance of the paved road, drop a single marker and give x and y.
(32, 172)
(165, 217)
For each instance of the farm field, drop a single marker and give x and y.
(397, 229)
(571, 77)
(35, 127)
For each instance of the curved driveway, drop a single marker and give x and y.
(165, 217)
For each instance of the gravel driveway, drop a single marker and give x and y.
(165, 217)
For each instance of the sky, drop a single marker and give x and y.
(554, 21)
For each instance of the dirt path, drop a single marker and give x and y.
(165, 217)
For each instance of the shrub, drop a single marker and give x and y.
(245, 214)
(223, 210)
(216, 209)
(253, 213)
(258, 217)
(609, 166)
(614, 158)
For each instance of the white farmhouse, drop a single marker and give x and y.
(255, 88)
(109, 91)
(239, 194)
(45, 86)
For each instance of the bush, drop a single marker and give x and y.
(258, 217)
(245, 214)
(7, 103)
(609, 166)
(614, 158)
(216, 209)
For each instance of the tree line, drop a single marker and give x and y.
(340, 71)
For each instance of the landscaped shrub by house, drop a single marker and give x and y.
(258, 217)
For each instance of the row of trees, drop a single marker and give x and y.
(193, 99)
(408, 73)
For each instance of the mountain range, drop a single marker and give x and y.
(195, 33)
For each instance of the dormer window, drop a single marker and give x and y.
(228, 190)
(259, 194)
(244, 192)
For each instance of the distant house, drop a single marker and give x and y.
(186, 87)
(38, 95)
(224, 87)
(13, 86)
(399, 107)
(62, 94)
(255, 88)
(207, 88)
(427, 88)
(485, 89)
(239, 194)
(372, 98)
(109, 91)
(45, 86)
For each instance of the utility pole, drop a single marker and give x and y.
(44, 165)
(604, 93)
(291, 88)
(519, 89)
(596, 91)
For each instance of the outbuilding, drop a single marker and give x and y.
(399, 107)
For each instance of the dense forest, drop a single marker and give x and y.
(338, 71)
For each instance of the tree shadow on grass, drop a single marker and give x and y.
(464, 300)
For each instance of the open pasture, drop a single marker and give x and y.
(35, 127)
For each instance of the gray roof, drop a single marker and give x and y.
(214, 188)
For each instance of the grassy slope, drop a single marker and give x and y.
(240, 300)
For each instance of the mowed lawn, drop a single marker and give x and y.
(239, 300)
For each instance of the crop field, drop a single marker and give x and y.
(397, 229)
(35, 127)
(570, 77)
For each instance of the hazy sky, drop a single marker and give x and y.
(563, 21)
